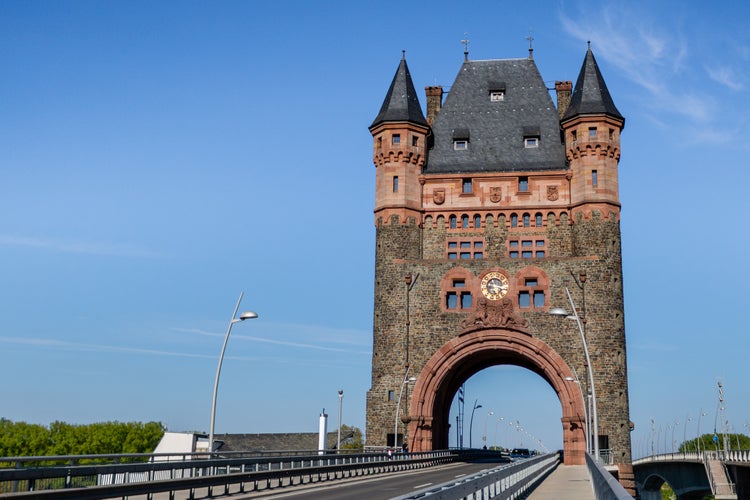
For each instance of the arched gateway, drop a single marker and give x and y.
(486, 211)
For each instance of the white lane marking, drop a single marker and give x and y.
(423, 485)
(460, 475)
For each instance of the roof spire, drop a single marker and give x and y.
(401, 104)
(403, 54)
(590, 94)
(465, 41)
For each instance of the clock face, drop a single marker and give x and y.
(494, 285)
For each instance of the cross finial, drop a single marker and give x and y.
(403, 54)
(465, 41)
(530, 38)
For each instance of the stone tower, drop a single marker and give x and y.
(488, 213)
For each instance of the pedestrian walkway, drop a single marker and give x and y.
(567, 482)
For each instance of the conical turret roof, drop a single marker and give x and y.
(401, 104)
(590, 95)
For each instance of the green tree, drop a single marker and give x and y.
(706, 442)
(102, 438)
(351, 438)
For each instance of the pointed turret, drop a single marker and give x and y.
(401, 103)
(400, 133)
(591, 126)
(591, 96)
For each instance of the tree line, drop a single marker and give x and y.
(20, 439)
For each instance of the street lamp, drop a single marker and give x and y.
(496, 424)
(338, 434)
(471, 422)
(688, 418)
(407, 379)
(585, 412)
(557, 311)
(235, 319)
(484, 437)
(698, 430)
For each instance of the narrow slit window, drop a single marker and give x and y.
(395, 183)
(594, 178)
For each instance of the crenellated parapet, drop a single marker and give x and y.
(409, 157)
(599, 150)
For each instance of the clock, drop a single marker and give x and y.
(494, 285)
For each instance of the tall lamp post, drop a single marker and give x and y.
(484, 437)
(585, 412)
(338, 434)
(557, 311)
(471, 422)
(407, 379)
(235, 319)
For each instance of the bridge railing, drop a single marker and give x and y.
(504, 482)
(73, 477)
(605, 484)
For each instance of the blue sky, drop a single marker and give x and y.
(157, 158)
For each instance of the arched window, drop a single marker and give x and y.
(452, 223)
(513, 220)
(538, 218)
(526, 220)
(465, 221)
(477, 221)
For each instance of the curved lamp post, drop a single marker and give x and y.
(235, 319)
(557, 311)
(471, 422)
(484, 437)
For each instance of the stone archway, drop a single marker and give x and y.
(473, 351)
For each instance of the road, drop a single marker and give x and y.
(379, 487)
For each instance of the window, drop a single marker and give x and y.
(380, 142)
(531, 294)
(414, 140)
(592, 132)
(538, 221)
(391, 395)
(513, 220)
(464, 221)
(458, 297)
(594, 180)
(523, 184)
(611, 134)
(531, 142)
(460, 145)
(574, 135)
(526, 249)
(526, 220)
(452, 221)
(395, 183)
(477, 222)
(497, 95)
(465, 249)
(396, 139)
(466, 186)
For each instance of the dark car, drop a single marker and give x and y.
(520, 453)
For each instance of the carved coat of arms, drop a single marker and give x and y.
(496, 194)
(552, 193)
(438, 196)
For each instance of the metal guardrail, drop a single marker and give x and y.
(27, 477)
(605, 485)
(504, 482)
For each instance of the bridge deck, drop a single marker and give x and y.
(567, 482)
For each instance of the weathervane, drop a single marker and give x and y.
(530, 38)
(465, 41)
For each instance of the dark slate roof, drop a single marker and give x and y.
(590, 95)
(297, 441)
(401, 104)
(496, 130)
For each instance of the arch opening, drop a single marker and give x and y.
(463, 356)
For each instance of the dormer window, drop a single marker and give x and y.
(460, 139)
(497, 91)
(531, 136)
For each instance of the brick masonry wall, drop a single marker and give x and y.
(591, 244)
